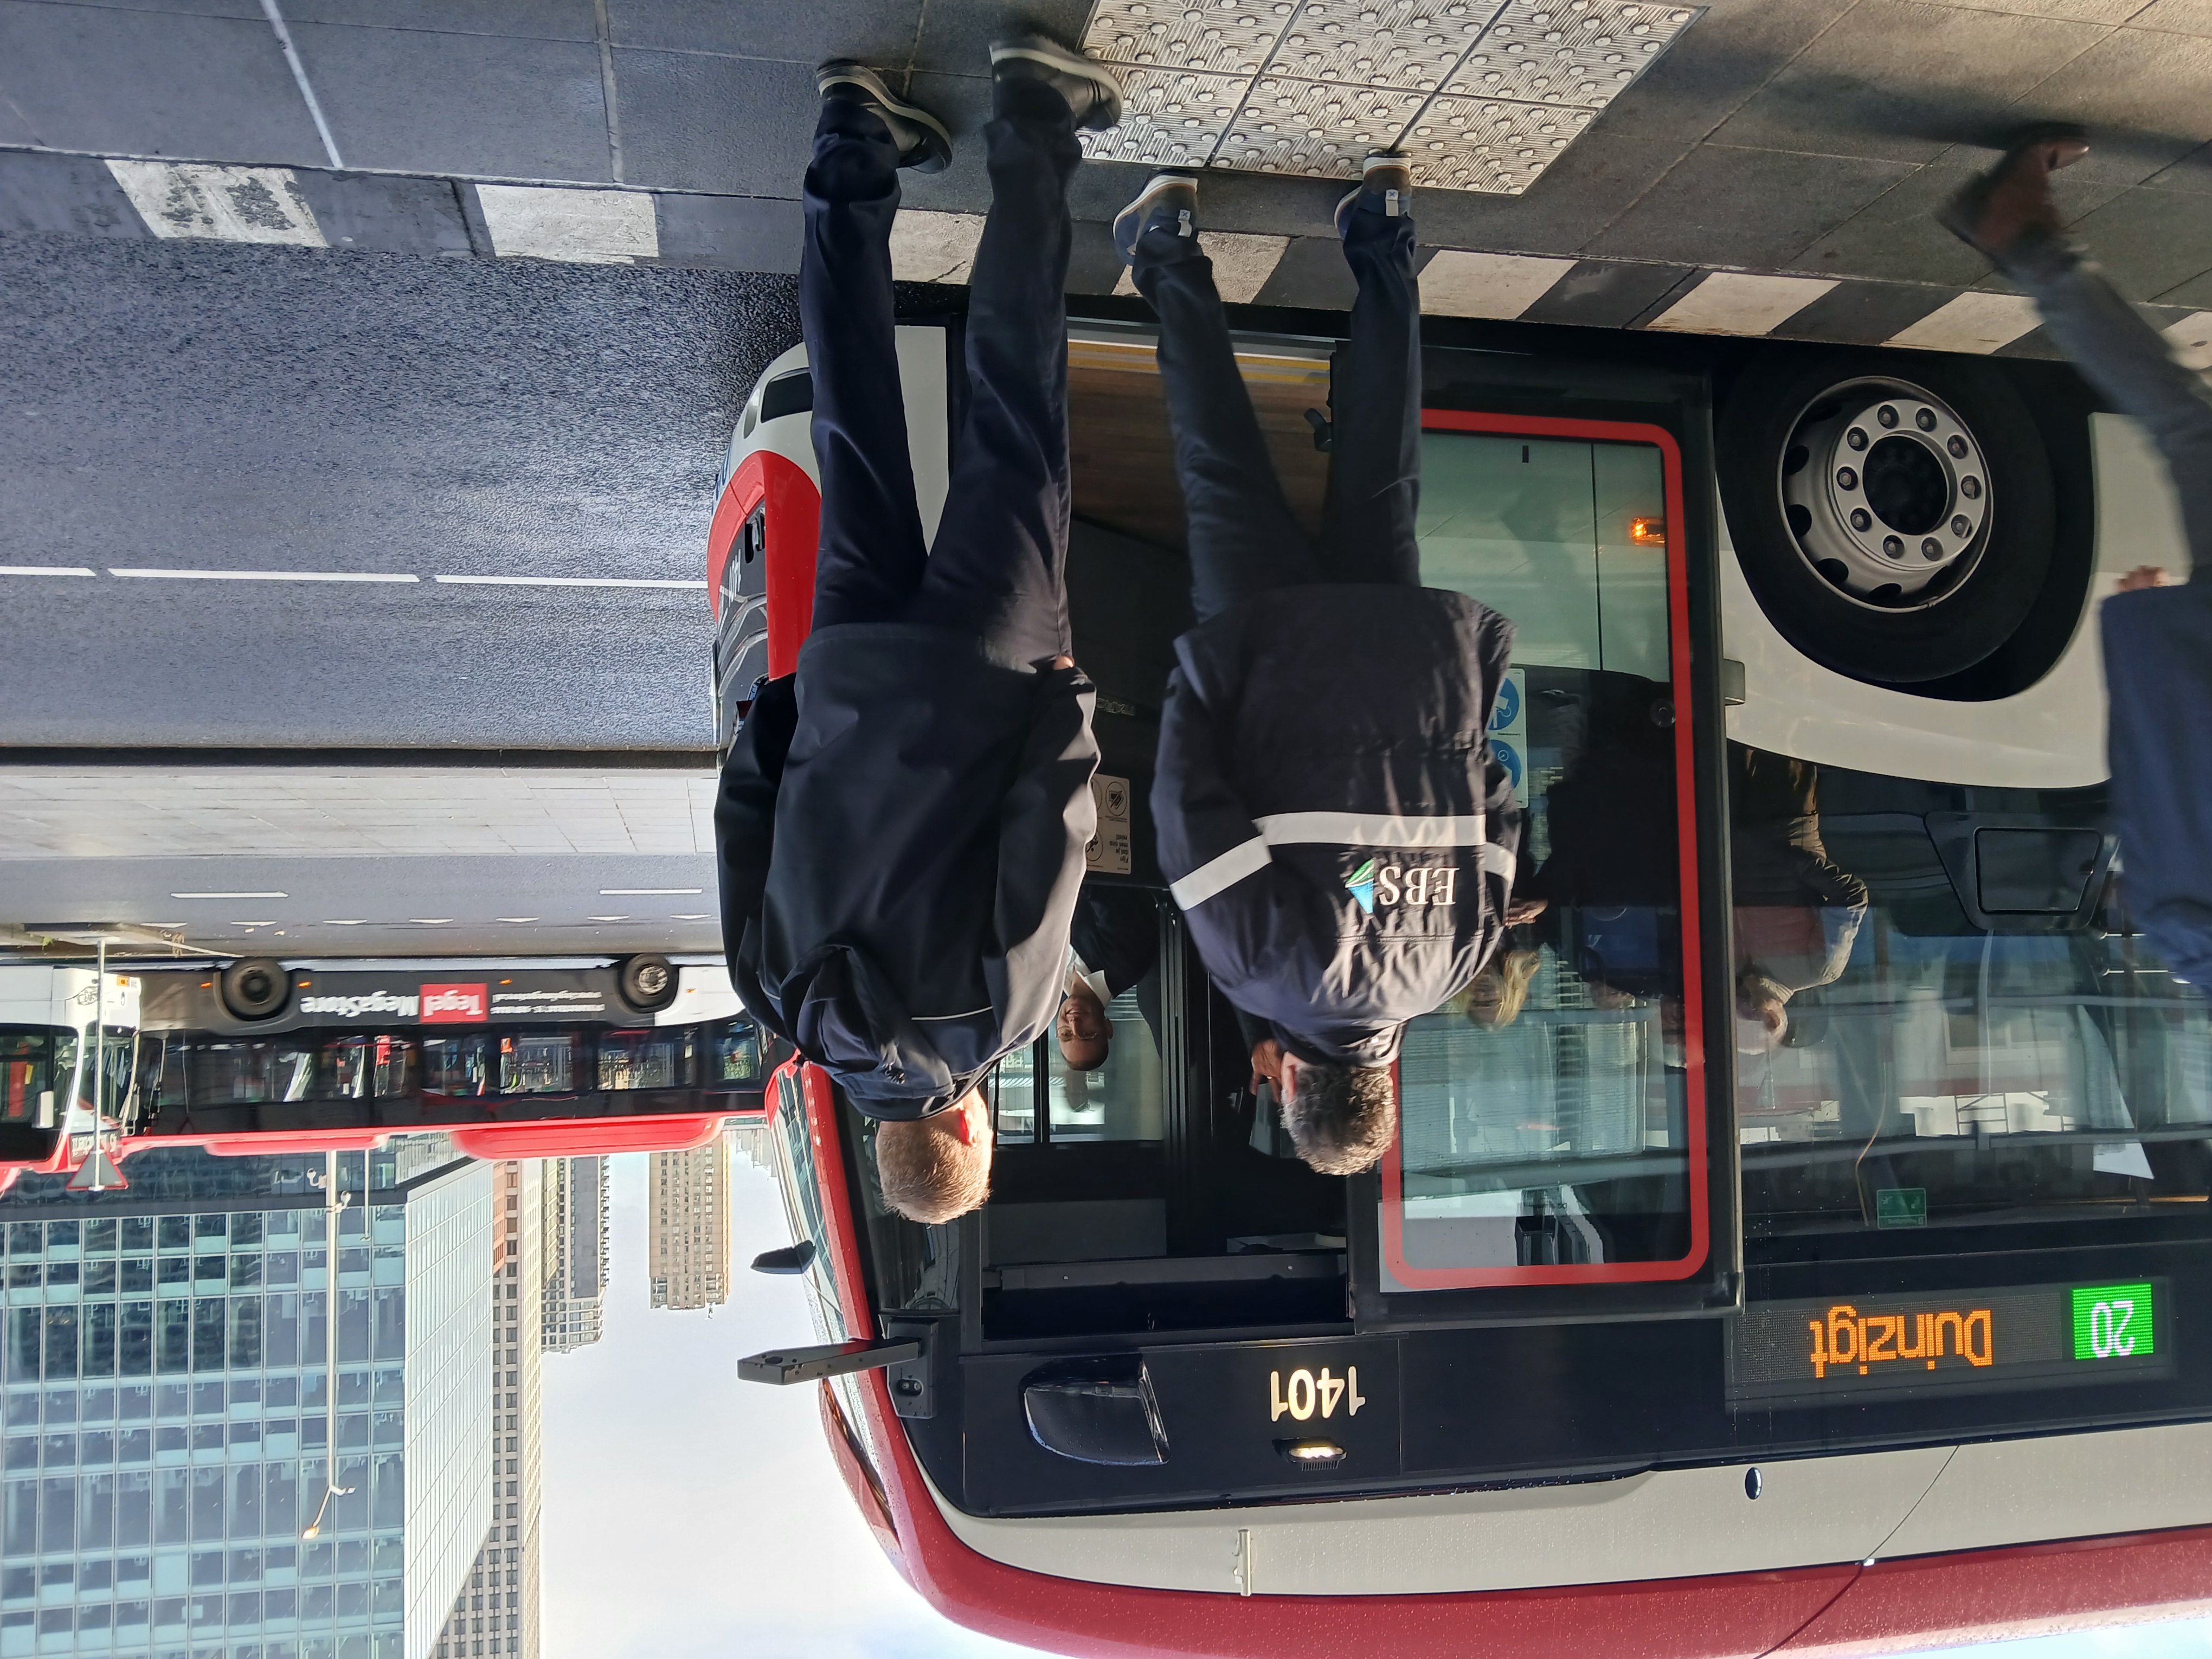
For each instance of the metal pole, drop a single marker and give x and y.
(99, 1042)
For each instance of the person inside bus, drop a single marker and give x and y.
(1113, 947)
(901, 823)
(1329, 812)
(1797, 914)
(2157, 639)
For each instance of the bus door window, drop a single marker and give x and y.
(457, 1065)
(1544, 1110)
(660, 1059)
(537, 1063)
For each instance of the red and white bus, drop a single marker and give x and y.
(1801, 1245)
(513, 1059)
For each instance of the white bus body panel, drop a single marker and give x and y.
(67, 998)
(922, 350)
(1675, 1524)
(2050, 736)
(702, 993)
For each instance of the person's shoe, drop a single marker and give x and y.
(1092, 92)
(1386, 176)
(922, 141)
(2012, 200)
(1168, 199)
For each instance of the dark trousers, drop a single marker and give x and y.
(1001, 550)
(1244, 539)
(2128, 361)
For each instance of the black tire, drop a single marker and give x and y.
(256, 988)
(648, 983)
(1992, 572)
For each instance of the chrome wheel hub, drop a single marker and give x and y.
(1887, 492)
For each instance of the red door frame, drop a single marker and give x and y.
(1686, 819)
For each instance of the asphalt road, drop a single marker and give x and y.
(194, 406)
(419, 905)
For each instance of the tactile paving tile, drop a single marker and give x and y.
(1488, 143)
(1314, 127)
(1398, 43)
(1482, 93)
(1567, 52)
(1170, 117)
(1192, 35)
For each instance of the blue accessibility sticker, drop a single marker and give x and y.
(1509, 757)
(1508, 709)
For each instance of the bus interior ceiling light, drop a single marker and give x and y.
(1480, 97)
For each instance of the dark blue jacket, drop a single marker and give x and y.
(900, 834)
(1331, 818)
(2158, 672)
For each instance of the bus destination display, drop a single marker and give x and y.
(1809, 1349)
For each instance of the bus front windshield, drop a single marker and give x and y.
(1944, 1013)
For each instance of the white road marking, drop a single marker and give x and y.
(585, 226)
(47, 570)
(691, 918)
(2191, 340)
(1242, 264)
(607, 918)
(1977, 320)
(517, 920)
(1459, 283)
(264, 575)
(562, 581)
(217, 203)
(1737, 302)
(646, 892)
(934, 247)
(228, 895)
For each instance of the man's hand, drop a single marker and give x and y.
(2142, 576)
(1063, 660)
(1525, 910)
(1266, 1064)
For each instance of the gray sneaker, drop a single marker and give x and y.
(1088, 86)
(1385, 174)
(924, 145)
(1168, 199)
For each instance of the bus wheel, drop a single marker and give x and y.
(1893, 516)
(256, 988)
(648, 983)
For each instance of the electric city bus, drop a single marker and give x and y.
(1798, 1241)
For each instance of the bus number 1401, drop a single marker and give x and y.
(1308, 1394)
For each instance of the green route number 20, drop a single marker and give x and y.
(2114, 1321)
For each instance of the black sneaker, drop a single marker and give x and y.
(924, 145)
(1092, 92)
(1385, 174)
(1168, 199)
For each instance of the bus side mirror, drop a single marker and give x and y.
(791, 1258)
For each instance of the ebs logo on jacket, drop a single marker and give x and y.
(1389, 883)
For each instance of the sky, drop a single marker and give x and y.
(689, 1516)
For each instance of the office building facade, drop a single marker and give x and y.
(174, 1390)
(574, 1225)
(687, 1222)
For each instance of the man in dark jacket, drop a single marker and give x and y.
(902, 822)
(2158, 644)
(1115, 947)
(1330, 815)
